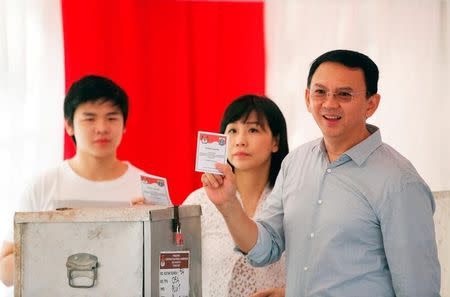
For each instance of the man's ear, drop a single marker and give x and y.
(372, 105)
(69, 128)
(307, 102)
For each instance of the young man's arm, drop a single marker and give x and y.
(7, 263)
(221, 190)
(409, 241)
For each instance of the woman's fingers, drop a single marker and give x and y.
(225, 169)
(211, 180)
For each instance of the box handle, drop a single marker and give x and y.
(82, 265)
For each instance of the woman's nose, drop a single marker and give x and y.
(240, 139)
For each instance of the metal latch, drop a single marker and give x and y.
(81, 266)
(176, 227)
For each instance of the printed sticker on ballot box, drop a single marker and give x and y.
(174, 274)
(211, 149)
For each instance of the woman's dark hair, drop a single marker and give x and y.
(265, 108)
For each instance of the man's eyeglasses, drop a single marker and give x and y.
(319, 94)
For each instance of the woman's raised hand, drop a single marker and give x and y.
(221, 189)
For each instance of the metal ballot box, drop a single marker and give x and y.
(109, 252)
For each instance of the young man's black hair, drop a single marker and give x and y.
(93, 88)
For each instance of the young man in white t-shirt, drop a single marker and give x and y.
(95, 112)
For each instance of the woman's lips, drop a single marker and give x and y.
(241, 154)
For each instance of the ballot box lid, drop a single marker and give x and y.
(109, 214)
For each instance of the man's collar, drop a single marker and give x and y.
(361, 151)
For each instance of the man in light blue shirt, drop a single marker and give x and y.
(353, 215)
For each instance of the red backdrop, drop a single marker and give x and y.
(180, 62)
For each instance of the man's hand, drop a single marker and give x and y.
(271, 292)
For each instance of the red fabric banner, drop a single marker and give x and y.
(180, 62)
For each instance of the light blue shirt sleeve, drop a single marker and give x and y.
(361, 225)
(270, 243)
(409, 241)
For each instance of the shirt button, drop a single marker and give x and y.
(305, 268)
(311, 235)
(328, 170)
(319, 202)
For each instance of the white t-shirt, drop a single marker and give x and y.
(62, 187)
(226, 272)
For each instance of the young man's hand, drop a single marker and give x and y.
(7, 263)
(137, 201)
(271, 292)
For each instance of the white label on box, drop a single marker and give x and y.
(174, 274)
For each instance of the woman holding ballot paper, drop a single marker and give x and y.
(257, 143)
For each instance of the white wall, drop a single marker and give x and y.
(409, 41)
(31, 97)
(442, 223)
